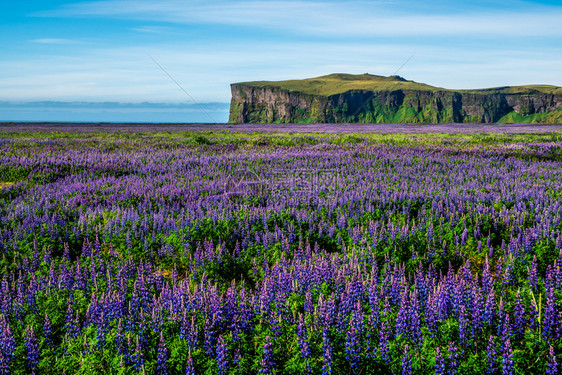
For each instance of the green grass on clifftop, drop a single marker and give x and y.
(339, 83)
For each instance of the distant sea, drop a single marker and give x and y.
(50, 111)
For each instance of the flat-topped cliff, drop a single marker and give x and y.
(366, 98)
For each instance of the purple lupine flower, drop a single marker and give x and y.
(533, 274)
(489, 308)
(189, 331)
(487, 283)
(491, 355)
(7, 341)
(66, 252)
(275, 323)
(406, 362)
(501, 318)
(267, 364)
(47, 256)
(507, 360)
(128, 351)
(222, 356)
(162, 360)
(66, 277)
(534, 315)
(431, 315)
(189, 368)
(80, 278)
(101, 326)
(499, 266)
(552, 365)
(352, 348)
(47, 331)
(71, 322)
(439, 362)
(208, 343)
(87, 248)
(237, 358)
(453, 366)
(477, 309)
(4, 365)
(506, 330)
(32, 349)
(402, 318)
(303, 341)
(327, 359)
(507, 278)
(549, 281)
(383, 341)
(520, 317)
(370, 348)
(558, 263)
(463, 327)
(86, 346)
(120, 338)
(550, 325)
(308, 304)
(157, 319)
(414, 323)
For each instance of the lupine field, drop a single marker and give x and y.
(257, 253)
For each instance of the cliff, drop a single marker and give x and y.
(366, 98)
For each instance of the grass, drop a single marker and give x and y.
(548, 117)
(339, 83)
(523, 90)
(264, 138)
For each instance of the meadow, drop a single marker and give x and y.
(225, 252)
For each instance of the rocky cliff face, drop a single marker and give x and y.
(270, 104)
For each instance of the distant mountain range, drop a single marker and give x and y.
(367, 98)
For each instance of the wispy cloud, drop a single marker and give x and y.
(356, 18)
(54, 41)
(152, 29)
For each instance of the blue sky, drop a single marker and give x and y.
(99, 51)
